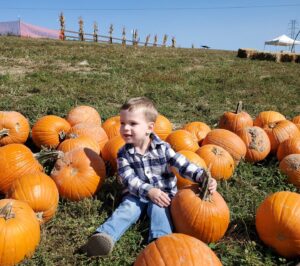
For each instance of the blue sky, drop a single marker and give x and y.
(219, 24)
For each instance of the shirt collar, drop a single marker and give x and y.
(155, 141)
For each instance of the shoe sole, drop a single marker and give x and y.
(99, 245)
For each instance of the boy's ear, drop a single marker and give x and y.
(151, 126)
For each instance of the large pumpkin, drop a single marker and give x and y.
(280, 131)
(39, 191)
(290, 165)
(218, 160)
(198, 129)
(182, 140)
(49, 131)
(162, 127)
(112, 126)
(257, 143)
(93, 131)
(16, 160)
(14, 128)
(193, 158)
(277, 223)
(267, 117)
(289, 146)
(177, 250)
(79, 174)
(227, 140)
(296, 121)
(83, 114)
(79, 142)
(110, 151)
(235, 121)
(205, 219)
(19, 231)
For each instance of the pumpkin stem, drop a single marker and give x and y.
(6, 211)
(4, 132)
(48, 155)
(239, 107)
(39, 216)
(62, 135)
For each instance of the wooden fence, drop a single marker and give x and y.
(95, 37)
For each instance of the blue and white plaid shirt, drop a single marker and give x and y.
(139, 173)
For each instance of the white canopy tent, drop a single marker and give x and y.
(282, 40)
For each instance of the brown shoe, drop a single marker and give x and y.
(99, 244)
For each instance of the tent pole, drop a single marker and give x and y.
(293, 46)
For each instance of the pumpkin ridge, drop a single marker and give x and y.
(160, 253)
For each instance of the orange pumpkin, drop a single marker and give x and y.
(267, 117)
(182, 140)
(175, 250)
(39, 191)
(290, 165)
(20, 231)
(257, 143)
(289, 146)
(83, 114)
(93, 131)
(218, 160)
(162, 127)
(205, 219)
(110, 151)
(16, 160)
(79, 174)
(49, 131)
(112, 126)
(198, 129)
(296, 121)
(14, 128)
(193, 158)
(235, 121)
(79, 142)
(280, 131)
(227, 140)
(277, 223)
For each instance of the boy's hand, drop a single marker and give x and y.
(212, 185)
(159, 197)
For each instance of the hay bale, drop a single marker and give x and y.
(286, 57)
(270, 56)
(245, 52)
(297, 58)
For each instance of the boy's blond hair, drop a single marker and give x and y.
(144, 104)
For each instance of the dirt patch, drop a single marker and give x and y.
(193, 68)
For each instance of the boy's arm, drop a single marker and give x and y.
(184, 167)
(131, 181)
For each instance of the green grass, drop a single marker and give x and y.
(39, 77)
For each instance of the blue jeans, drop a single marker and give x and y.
(129, 211)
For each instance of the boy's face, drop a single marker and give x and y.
(135, 129)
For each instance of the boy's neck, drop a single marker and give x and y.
(142, 147)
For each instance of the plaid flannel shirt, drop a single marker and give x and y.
(139, 173)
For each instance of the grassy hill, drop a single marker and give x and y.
(39, 77)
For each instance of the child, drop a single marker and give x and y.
(144, 164)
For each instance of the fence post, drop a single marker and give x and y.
(95, 35)
(135, 36)
(124, 37)
(111, 29)
(165, 40)
(147, 40)
(173, 42)
(62, 27)
(155, 40)
(81, 33)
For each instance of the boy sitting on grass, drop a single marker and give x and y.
(144, 168)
